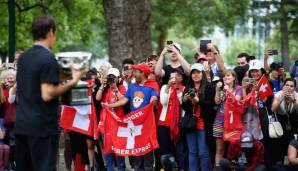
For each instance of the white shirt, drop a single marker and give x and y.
(164, 100)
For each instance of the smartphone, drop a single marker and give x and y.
(274, 52)
(203, 45)
(169, 42)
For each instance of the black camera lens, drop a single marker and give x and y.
(125, 68)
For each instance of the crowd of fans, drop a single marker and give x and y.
(195, 138)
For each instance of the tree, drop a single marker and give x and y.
(193, 17)
(284, 15)
(79, 23)
(127, 23)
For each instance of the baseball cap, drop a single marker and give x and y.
(255, 64)
(114, 71)
(202, 58)
(197, 66)
(246, 140)
(142, 67)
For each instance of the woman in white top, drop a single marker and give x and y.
(285, 105)
(168, 131)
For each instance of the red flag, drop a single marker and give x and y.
(264, 87)
(234, 109)
(131, 135)
(80, 119)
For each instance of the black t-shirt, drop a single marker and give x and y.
(168, 70)
(294, 143)
(36, 117)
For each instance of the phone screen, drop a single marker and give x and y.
(203, 45)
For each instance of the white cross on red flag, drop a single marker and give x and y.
(81, 119)
(132, 135)
(265, 89)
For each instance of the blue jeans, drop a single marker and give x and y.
(198, 151)
(110, 162)
(181, 152)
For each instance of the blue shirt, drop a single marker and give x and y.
(277, 85)
(139, 96)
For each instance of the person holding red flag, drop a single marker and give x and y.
(139, 95)
(230, 85)
(111, 91)
(168, 131)
(258, 80)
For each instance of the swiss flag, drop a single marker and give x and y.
(131, 135)
(264, 88)
(80, 119)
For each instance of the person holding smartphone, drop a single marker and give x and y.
(168, 133)
(285, 105)
(176, 61)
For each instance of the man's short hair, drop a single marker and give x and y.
(247, 57)
(41, 26)
(127, 61)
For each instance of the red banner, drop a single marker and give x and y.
(233, 119)
(132, 135)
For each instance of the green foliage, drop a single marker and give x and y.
(80, 24)
(194, 17)
(273, 42)
(238, 45)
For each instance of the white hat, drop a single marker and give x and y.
(114, 71)
(255, 64)
(177, 45)
(197, 66)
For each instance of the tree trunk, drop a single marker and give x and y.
(127, 23)
(161, 39)
(284, 42)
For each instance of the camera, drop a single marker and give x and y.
(110, 79)
(169, 42)
(191, 92)
(125, 68)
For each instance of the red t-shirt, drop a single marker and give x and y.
(110, 97)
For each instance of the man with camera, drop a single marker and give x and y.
(36, 129)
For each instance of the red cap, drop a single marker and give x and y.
(203, 58)
(142, 67)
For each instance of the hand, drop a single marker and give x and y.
(244, 83)
(196, 99)
(173, 49)
(78, 74)
(211, 47)
(226, 87)
(267, 54)
(218, 85)
(186, 97)
(164, 51)
(104, 104)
